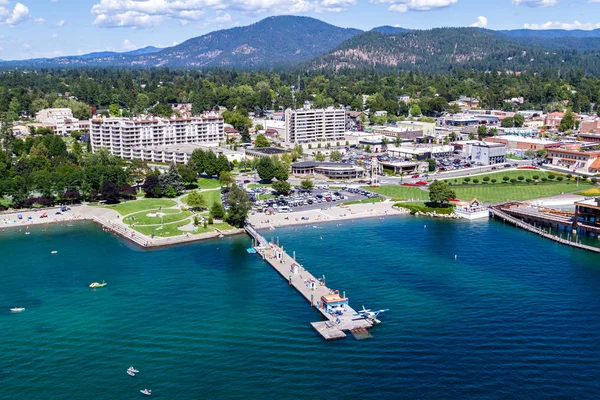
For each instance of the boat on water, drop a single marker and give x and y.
(130, 373)
(133, 370)
(17, 309)
(146, 392)
(94, 285)
(54, 252)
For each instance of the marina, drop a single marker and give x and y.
(340, 317)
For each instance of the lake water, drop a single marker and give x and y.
(512, 316)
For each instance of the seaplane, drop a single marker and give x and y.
(370, 315)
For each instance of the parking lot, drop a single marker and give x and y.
(304, 200)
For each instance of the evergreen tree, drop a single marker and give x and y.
(239, 206)
(173, 179)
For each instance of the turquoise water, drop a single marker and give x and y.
(513, 316)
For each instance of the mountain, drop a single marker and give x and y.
(273, 41)
(389, 30)
(441, 49)
(143, 50)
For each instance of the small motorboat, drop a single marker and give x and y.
(17, 309)
(54, 252)
(146, 392)
(94, 285)
(131, 373)
(133, 370)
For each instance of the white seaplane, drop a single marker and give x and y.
(370, 315)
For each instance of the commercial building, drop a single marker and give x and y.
(307, 126)
(420, 153)
(590, 137)
(486, 153)
(406, 167)
(329, 169)
(523, 143)
(583, 161)
(143, 136)
(587, 217)
(428, 128)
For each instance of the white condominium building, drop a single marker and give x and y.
(320, 125)
(132, 137)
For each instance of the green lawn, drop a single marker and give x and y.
(210, 197)
(172, 215)
(517, 192)
(400, 192)
(365, 201)
(133, 206)
(168, 230)
(525, 173)
(222, 226)
(208, 183)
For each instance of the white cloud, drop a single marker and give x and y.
(402, 6)
(61, 23)
(482, 22)
(127, 45)
(40, 21)
(18, 15)
(146, 13)
(563, 25)
(536, 3)
(54, 36)
(221, 18)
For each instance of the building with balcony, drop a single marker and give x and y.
(138, 137)
(61, 121)
(309, 126)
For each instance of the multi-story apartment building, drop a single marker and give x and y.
(319, 125)
(61, 121)
(138, 137)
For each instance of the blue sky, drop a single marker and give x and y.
(49, 28)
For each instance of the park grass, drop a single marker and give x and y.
(399, 192)
(210, 197)
(365, 201)
(222, 226)
(134, 206)
(415, 207)
(171, 215)
(208, 183)
(525, 173)
(515, 192)
(168, 230)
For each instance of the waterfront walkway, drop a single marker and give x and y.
(309, 287)
(496, 213)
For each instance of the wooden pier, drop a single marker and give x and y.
(310, 288)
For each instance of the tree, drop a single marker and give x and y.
(307, 184)
(151, 186)
(567, 122)
(110, 192)
(217, 211)
(114, 110)
(261, 141)
(187, 173)
(196, 200)
(226, 179)
(281, 187)
(266, 169)
(76, 135)
(482, 131)
(508, 122)
(239, 206)
(440, 192)
(518, 120)
(173, 179)
(170, 192)
(505, 178)
(335, 156)
(320, 156)
(432, 164)
(415, 111)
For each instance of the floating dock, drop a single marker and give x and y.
(312, 290)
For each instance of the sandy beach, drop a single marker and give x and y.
(29, 218)
(334, 214)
